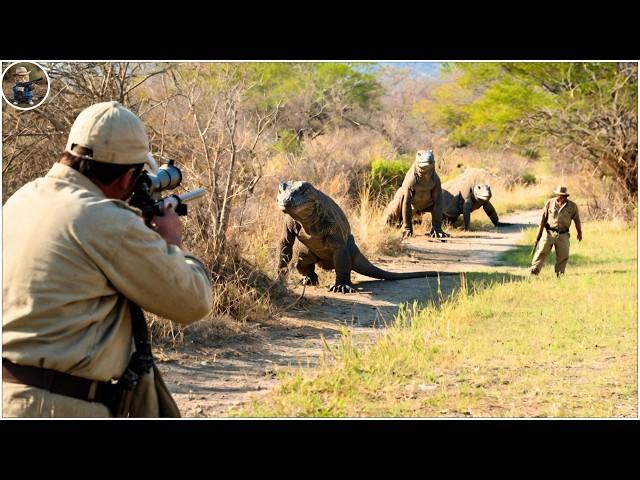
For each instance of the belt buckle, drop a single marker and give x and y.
(93, 388)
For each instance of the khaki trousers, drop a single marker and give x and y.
(549, 240)
(25, 401)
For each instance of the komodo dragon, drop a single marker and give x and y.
(324, 238)
(420, 192)
(466, 193)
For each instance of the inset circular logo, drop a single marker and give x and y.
(25, 85)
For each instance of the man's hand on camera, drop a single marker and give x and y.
(169, 227)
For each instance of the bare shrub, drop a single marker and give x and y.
(33, 140)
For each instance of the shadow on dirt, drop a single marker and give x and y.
(377, 301)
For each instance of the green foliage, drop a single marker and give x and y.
(528, 178)
(341, 80)
(591, 107)
(484, 102)
(445, 110)
(279, 83)
(387, 175)
(303, 100)
(288, 142)
(460, 138)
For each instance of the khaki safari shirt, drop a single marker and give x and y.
(71, 258)
(560, 218)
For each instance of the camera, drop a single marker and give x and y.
(147, 193)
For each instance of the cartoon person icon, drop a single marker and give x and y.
(23, 87)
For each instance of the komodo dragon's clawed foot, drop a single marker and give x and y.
(311, 280)
(342, 288)
(438, 234)
(407, 234)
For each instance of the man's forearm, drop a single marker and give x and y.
(541, 228)
(579, 228)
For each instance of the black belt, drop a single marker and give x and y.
(58, 382)
(556, 230)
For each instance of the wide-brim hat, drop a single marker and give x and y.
(560, 190)
(21, 71)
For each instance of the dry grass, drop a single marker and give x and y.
(243, 296)
(368, 226)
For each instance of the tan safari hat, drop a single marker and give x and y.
(21, 71)
(561, 191)
(113, 133)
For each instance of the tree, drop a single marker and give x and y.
(35, 139)
(315, 96)
(588, 107)
(401, 119)
(206, 116)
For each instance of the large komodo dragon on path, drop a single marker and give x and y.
(466, 193)
(421, 191)
(324, 238)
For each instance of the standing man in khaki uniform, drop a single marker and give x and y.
(76, 258)
(557, 215)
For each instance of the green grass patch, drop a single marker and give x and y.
(503, 345)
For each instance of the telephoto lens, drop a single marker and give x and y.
(168, 177)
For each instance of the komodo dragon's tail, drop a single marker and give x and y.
(365, 267)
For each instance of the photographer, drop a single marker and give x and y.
(77, 262)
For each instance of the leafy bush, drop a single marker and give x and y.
(387, 175)
(528, 179)
(288, 142)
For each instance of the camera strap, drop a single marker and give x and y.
(141, 362)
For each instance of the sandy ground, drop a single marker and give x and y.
(208, 381)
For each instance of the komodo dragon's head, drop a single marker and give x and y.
(425, 161)
(482, 192)
(296, 198)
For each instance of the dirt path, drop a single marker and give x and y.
(209, 381)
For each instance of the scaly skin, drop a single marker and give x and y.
(324, 238)
(467, 193)
(421, 191)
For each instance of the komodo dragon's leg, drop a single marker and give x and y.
(407, 214)
(436, 219)
(466, 213)
(448, 221)
(493, 215)
(306, 265)
(342, 265)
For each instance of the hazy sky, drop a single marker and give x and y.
(420, 68)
